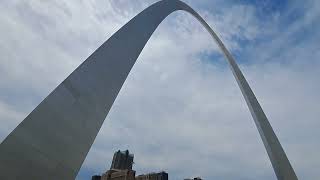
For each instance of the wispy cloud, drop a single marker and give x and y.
(180, 109)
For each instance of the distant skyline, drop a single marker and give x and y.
(180, 109)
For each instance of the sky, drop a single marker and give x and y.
(180, 109)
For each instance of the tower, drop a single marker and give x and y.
(122, 160)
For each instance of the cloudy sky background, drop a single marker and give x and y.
(180, 109)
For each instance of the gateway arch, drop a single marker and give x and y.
(54, 139)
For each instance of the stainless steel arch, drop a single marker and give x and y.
(54, 139)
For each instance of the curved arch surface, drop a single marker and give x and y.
(54, 139)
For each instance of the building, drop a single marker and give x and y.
(113, 174)
(122, 160)
(196, 178)
(121, 169)
(153, 176)
(116, 174)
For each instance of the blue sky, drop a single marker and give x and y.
(180, 109)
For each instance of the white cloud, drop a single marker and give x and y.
(9, 118)
(176, 112)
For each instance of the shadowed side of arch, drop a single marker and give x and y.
(54, 139)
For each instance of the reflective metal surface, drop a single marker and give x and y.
(54, 139)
